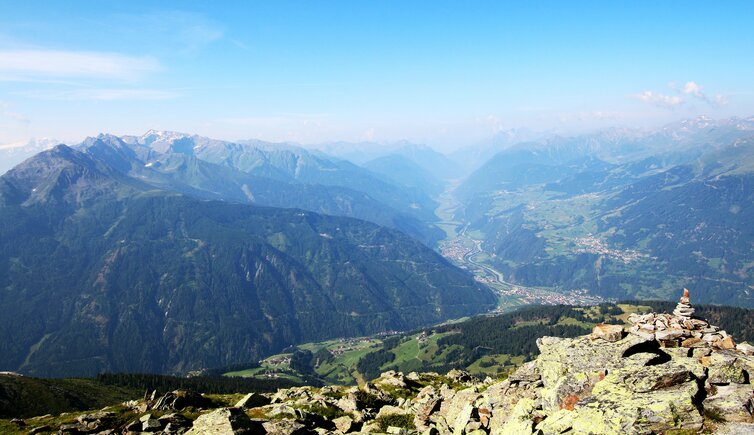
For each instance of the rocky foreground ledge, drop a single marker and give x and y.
(664, 373)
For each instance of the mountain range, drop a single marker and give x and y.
(622, 213)
(119, 255)
(170, 252)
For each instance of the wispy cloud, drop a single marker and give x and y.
(179, 32)
(658, 99)
(17, 144)
(695, 90)
(108, 94)
(6, 112)
(680, 95)
(25, 65)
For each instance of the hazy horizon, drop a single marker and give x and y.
(438, 74)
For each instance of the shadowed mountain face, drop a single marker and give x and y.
(405, 171)
(105, 270)
(623, 214)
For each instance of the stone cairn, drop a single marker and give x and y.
(684, 310)
(681, 329)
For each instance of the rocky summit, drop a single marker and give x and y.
(662, 374)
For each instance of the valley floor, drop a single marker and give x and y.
(464, 249)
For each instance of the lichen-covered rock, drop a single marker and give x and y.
(426, 402)
(647, 379)
(225, 421)
(285, 427)
(391, 379)
(570, 367)
(559, 422)
(724, 367)
(734, 428)
(344, 424)
(519, 421)
(372, 427)
(457, 411)
(731, 401)
(528, 372)
(648, 400)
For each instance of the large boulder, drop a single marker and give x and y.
(344, 424)
(724, 367)
(180, 399)
(225, 421)
(519, 421)
(253, 400)
(570, 367)
(606, 332)
(731, 402)
(647, 400)
(286, 427)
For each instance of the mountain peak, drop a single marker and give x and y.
(106, 138)
(152, 136)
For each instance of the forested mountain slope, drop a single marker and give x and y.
(101, 271)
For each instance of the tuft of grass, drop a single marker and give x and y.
(399, 393)
(405, 421)
(223, 400)
(328, 413)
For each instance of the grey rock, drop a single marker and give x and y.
(344, 423)
(731, 401)
(285, 427)
(180, 399)
(151, 425)
(253, 400)
(225, 421)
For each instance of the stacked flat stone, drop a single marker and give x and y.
(684, 310)
(681, 330)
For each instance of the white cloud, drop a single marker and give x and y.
(690, 91)
(111, 94)
(658, 99)
(691, 88)
(695, 90)
(36, 64)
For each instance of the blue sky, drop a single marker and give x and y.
(442, 73)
